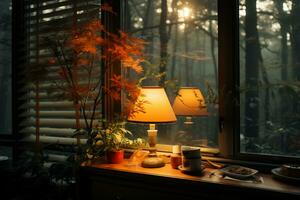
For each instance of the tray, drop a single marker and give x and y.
(229, 171)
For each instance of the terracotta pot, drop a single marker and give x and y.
(115, 157)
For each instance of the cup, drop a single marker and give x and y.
(176, 161)
(190, 152)
(191, 164)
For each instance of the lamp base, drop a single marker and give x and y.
(153, 162)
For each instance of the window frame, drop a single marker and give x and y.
(11, 140)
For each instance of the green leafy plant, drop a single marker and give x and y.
(111, 136)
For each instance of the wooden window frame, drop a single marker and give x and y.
(18, 35)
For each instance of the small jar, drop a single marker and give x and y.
(176, 157)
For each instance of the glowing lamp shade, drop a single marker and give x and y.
(190, 102)
(156, 107)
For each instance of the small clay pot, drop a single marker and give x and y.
(115, 157)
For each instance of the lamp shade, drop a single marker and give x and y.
(156, 107)
(190, 102)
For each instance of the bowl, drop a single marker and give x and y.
(291, 170)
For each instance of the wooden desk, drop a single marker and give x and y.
(121, 181)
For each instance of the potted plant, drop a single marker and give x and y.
(110, 142)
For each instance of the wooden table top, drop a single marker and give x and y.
(269, 183)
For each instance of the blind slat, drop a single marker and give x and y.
(52, 105)
(57, 114)
(61, 12)
(51, 26)
(55, 123)
(59, 132)
(54, 140)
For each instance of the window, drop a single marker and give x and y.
(181, 51)
(5, 67)
(269, 77)
(192, 53)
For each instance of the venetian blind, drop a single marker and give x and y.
(49, 117)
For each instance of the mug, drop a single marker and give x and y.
(190, 152)
(191, 164)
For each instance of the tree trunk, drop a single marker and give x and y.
(283, 32)
(186, 59)
(173, 66)
(295, 38)
(147, 16)
(127, 23)
(150, 46)
(284, 28)
(203, 63)
(163, 42)
(212, 48)
(252, 67)
(175, 17)
(266, 81)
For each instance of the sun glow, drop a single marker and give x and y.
(184, 13)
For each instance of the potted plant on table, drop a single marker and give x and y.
(111, 141)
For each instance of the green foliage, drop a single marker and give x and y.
(110, 137)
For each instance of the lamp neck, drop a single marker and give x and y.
(152, 127)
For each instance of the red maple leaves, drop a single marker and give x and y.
(80, 58)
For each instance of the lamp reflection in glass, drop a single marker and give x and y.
(189, 102)
(156, 108)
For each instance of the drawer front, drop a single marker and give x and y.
(116, 191)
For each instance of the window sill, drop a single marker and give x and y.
(189, 186)
(204, 150)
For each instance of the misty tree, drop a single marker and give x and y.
(252, 66)
(295, 38)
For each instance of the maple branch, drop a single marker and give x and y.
(89, 91)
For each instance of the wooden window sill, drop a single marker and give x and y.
(163, 179)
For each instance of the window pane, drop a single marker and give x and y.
(269, 77)
(5, 67)
(181, 51)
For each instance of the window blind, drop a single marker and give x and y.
(49, 117)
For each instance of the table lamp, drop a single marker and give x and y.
(189, 102)
(156, 108)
